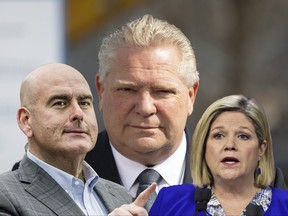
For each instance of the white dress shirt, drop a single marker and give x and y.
(172, 169)
(82, 193)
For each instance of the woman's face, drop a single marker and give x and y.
(232, 148)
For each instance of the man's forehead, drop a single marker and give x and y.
(59, 78)
(77, 91)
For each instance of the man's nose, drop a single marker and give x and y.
(76, 112)
(145, 105)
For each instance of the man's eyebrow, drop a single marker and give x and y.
(58, 97)
(67, 97)
(85, 97)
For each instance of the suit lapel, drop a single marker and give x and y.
(187, 179)
(111, 194)
(102, 160)
(45, 189)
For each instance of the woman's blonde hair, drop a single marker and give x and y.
(200, 171)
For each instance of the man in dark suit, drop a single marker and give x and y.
(102, 152)
(147, 85)
(58, 118)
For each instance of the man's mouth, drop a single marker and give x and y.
(79, 131)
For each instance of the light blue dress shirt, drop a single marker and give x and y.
(82, 193)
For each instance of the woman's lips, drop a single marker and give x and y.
(230, 160)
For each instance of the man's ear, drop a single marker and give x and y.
(100, 89)
(192, 96)
(23, 119)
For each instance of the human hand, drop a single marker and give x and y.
(137, 207)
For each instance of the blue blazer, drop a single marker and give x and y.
(179, 200)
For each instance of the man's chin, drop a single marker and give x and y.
(146, 146)
(145, 132)
(80, 148)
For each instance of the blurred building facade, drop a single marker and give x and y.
(241, 48)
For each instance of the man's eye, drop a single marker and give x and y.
(125, 89)
(59, 104)
(85, 103)
(165, 91)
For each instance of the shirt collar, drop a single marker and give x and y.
(90, 176)
(171, 169)
(65, 180)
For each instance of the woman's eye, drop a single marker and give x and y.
(218, 136)
(244, 136)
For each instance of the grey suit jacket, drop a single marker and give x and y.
(32, 191)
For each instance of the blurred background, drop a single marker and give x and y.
(241, 47)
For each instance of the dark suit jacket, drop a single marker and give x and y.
(31, 191)
(102, 160)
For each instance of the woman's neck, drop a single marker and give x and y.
(234, 199)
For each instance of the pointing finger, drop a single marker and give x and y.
(142, 199)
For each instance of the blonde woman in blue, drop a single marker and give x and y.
(232, 155)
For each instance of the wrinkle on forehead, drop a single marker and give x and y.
(48, 73)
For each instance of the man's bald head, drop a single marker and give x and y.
(57, 114)
(42, 75)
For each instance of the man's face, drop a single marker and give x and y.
(145, 103)
(62, 118)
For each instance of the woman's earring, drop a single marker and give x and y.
(259, 170)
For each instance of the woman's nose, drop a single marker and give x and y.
(230, 144)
